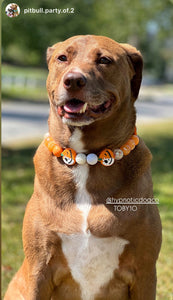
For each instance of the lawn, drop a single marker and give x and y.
(23, 83)
(17, 187)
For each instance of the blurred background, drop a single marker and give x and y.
(146, 24)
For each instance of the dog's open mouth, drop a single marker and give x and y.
(78, 109)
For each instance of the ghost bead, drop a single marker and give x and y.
(92, 159)
(81, 158)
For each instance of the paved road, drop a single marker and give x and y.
(28, 121)
(23, 121)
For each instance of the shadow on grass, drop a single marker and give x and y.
(17, 178)
(161, 149)
(15, 159)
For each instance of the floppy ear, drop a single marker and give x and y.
(136, 63)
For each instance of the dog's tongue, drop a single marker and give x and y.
(73, 106)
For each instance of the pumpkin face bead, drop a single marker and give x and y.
(107, 157)
(69, 156)
(118, 154)
(92, 159)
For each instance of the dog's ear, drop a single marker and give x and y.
(136, 63)
(49, 53)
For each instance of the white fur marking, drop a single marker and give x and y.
(75, 141)
(92, 260)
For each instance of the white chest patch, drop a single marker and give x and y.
(92, 260)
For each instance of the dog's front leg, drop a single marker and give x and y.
(28, 284)
(144, 287)
(39, 289)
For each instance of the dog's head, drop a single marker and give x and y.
(91, 77)
(14, 6)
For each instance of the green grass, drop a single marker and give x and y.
(17, 187)
(159, 138)
(24, 92)
(22, 71)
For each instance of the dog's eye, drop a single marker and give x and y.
(62, 58)
(104, 60)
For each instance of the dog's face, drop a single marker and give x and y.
(90, 77)
(14, 6)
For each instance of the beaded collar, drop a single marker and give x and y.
(106, 157)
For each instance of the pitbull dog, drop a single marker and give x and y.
(78, 242)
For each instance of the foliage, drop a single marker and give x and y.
(145, 23)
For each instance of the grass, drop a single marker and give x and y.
(159, 138)
(22, 71)
(23, 91)
(17, 186)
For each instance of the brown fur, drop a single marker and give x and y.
(45, 273)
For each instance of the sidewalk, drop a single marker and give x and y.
(25, 122)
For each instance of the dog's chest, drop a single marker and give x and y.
(91, 260)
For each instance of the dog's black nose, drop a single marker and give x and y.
(74, 81)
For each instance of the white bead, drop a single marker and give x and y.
(81, 158)
(118, 154)
(46, 135)
(92, 159)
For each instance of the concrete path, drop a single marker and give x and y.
(25, 122)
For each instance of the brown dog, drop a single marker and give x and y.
(77, 244)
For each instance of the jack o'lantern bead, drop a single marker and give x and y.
(69, 156)
(126, 149)
(57, 150)
(107, 157)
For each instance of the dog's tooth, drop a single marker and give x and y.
(84, 107)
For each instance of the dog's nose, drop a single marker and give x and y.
(74, 81)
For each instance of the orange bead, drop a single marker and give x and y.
(51, 145)
(131, 144)
(135, 131)
(126, 149)
(57, 150)
(47, 140)
(135, 139)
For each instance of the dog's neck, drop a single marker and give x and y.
(96, 136)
